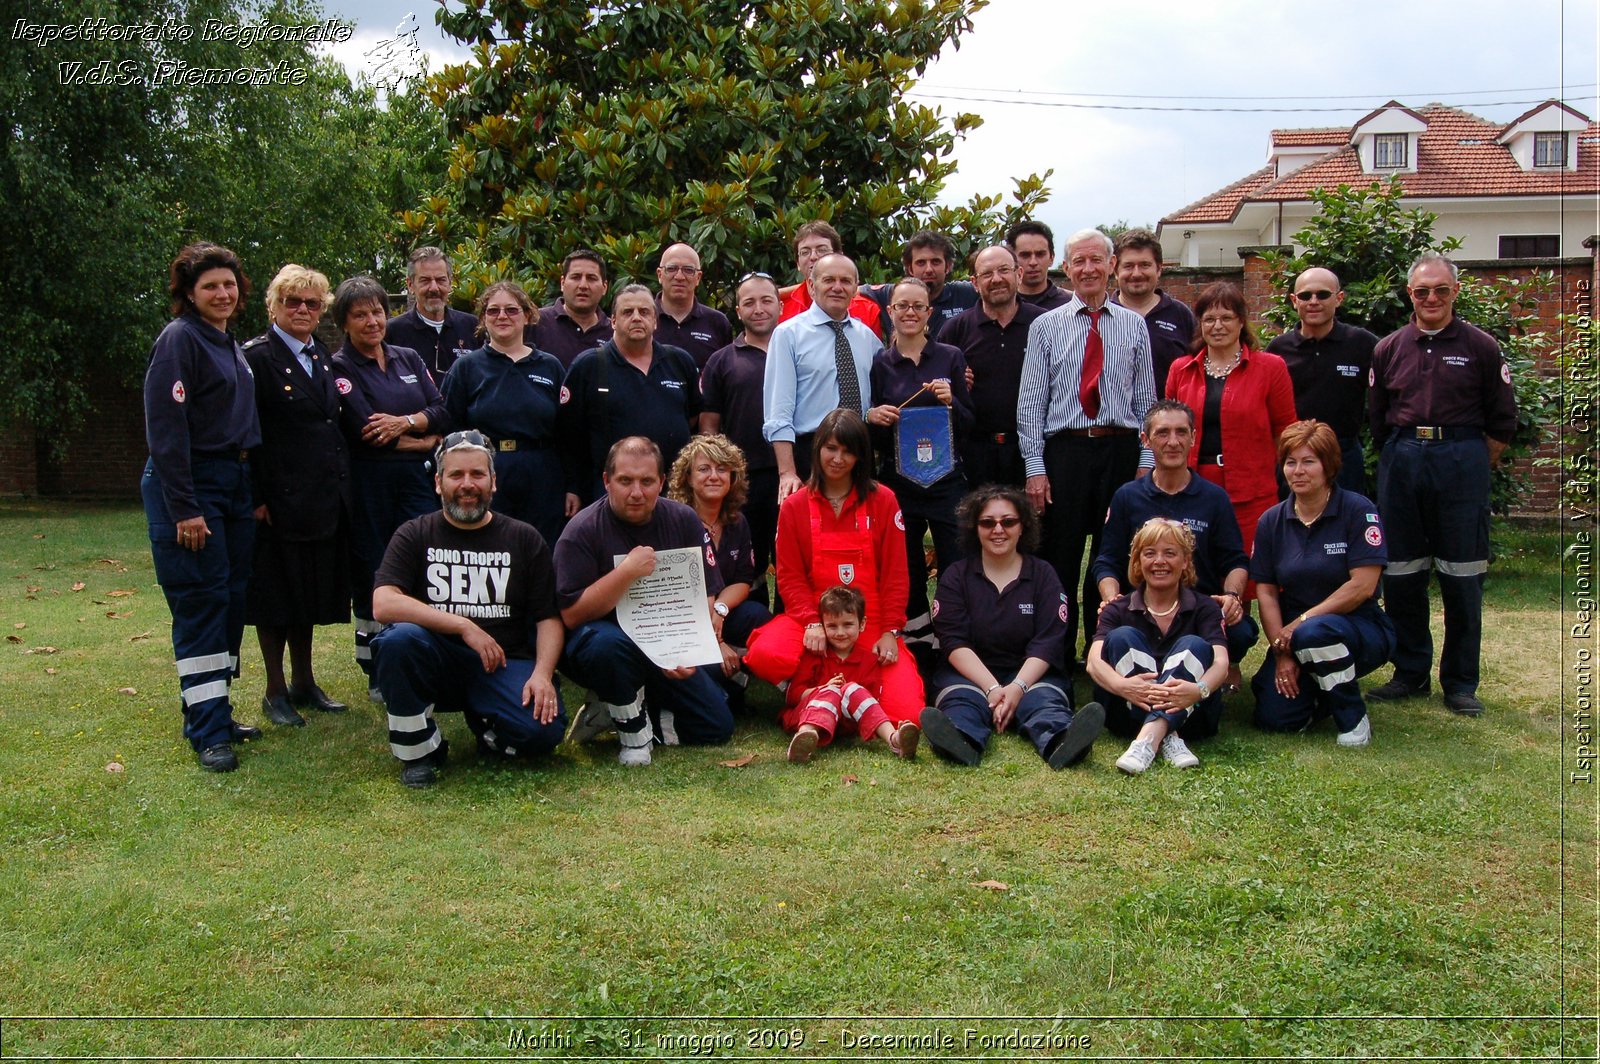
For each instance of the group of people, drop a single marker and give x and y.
(481, 492)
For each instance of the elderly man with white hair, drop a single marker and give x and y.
(1086, 385)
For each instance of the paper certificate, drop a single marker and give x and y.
(665, 613)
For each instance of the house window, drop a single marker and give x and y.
(1550, 150)
(1389, 151)
(1530, 247)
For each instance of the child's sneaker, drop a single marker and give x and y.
(904, 740)
(802, 746)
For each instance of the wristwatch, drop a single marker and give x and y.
(720, 609)
(1205, 692)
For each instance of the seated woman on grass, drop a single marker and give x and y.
(1159, 653)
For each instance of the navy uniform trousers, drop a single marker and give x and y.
(1334, 651)
(1128, 651)
(1434, 497)
(205, 590)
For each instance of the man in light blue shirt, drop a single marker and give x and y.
(802, 382)
(1086, 385)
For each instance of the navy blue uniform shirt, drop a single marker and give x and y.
(199, 399)
(1171, 324)
(1204, 509)
(1004, 628)
(1052, 297)
(1329, 374)
(602, 404)
(487, 391)
(1456, 378)
(701, 333)
(895, 379)
(438, 348)
(995, 354)
(730, 387)
(402, 387)
(1197, 615)
(596, 536)
(557, 334)
(736, 556)
(1309, 564)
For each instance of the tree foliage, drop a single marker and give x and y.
(626, 126)
(107, 176)
(1367, 238)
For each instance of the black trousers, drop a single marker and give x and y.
(1084, 472)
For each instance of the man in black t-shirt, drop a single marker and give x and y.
(470, 600)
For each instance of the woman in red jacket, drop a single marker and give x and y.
(1242, 401)
(842, 528)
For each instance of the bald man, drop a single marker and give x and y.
(1329, 362)
(681, 319)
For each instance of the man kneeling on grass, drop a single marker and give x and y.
(469, 596)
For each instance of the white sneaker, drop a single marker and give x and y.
(634, 756)
(1139, 756)
(1360, 735)
(1177, 752)
(374, 695)
(592, 721)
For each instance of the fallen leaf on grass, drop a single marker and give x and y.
(79, 586)
(114, 767)
(20, 625)
(38, 535)
(136, 638)
(44, 650)
(51, 672)
(850, 781)
(994, 884)
(126, 691)
(107, 561)
(119, 593)
(34, 589)
(119, 616)
(13, 639)
(738, 762)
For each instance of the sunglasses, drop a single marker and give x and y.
(464, 438)
(1320, 295)
(501, 312)
(296, 302)
(754, 275)
(1438, 291)
(1007, 523)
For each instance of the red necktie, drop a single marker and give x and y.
(1094, 359)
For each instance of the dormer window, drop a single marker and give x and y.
(1549, 150)
(1389, 151)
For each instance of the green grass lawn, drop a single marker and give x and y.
(1288, 898)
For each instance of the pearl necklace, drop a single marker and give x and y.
(1168, 612)
(1222, 373)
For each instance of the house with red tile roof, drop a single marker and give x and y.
(1529, 188)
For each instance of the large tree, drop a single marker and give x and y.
(115, 153)
(626, 125)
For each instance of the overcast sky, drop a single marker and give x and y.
(1170, 101)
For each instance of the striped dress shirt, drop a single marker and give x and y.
(1047, 402)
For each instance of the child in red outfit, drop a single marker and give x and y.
(844, 680)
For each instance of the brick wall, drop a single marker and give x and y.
(105, 457)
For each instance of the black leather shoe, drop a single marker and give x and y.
(1464, 703)
(279, 711)
(316, 698)
(947, 740)
(424, 771)
(1073, 743)
(219, 758)
(243, 733)
(1397, 689)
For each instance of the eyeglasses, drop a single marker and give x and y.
(990, 523)
(998, 271)
(1220, 319)
(296, 302)
(1438, 291)
(501, 312)
(1321, 295)
(680, 269)
(915, 308)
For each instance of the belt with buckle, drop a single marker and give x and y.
(1217, 461)
(241, 455)
(511, 443)
(1440, 432)
(1095, 432)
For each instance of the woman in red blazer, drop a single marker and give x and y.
(1242, 400)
